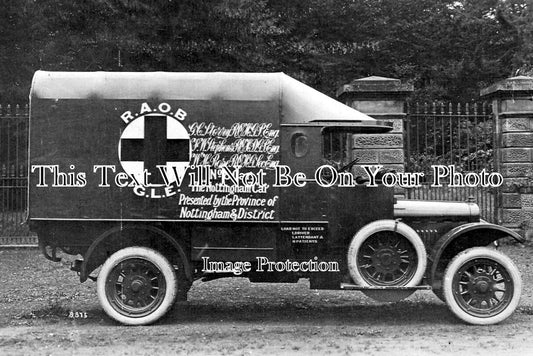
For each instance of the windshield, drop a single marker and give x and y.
(337, 148)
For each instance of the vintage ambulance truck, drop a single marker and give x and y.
(155, 180)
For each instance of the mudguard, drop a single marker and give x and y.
(85, 269)
(491, 231)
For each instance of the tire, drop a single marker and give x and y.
(387, 253)
(136, 286)
(482, 286)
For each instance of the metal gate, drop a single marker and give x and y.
(13, 172)
(451, 134)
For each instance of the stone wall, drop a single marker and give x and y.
(512, 101)
(382, 99)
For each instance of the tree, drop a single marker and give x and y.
(447, 49)
(18, 56)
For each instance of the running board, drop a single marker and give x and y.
(349, 286)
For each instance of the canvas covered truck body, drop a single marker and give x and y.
(165, 178)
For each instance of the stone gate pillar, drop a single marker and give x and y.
(512, 105)
(382, 99)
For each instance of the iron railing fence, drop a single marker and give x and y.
(459, 135)
(13, 170)
(449, 134)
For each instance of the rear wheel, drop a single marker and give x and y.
(482, 286)
(387, 253)
(136, 286)
(387, 258)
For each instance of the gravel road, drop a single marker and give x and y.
(39, 300)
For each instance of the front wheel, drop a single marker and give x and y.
(482, 286)
(136, 286)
